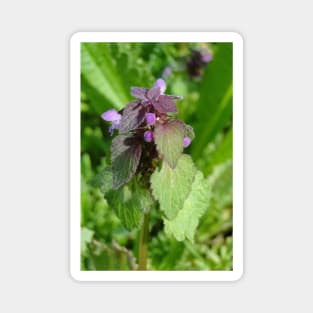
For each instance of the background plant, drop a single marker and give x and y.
(107, 73)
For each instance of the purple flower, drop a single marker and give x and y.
(160, 83)
(148, 136)
(167, 72)
(206, 57)
(114, 117)
(150, 118)
(187, 142)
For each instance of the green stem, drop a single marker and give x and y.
(143, 243)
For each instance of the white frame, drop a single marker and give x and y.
(237, 271)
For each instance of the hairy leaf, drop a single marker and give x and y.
(184, 225)
(103, 180)
(133, 115)
(172, 186)
(154, 93)
(126, 153)
(165, 104)
(139, 93)
(169, 139)
(129, 203)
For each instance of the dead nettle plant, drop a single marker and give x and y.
(149, 169)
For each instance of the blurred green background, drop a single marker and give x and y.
(108, 70)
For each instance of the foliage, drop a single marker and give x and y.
(191, 228)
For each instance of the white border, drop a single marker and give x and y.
(75, 271)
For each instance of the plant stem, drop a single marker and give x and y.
(143, 243)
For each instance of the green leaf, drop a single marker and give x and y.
(169, 139)
(186, 222)
(172, 186)
(129, 203)
(103, 180)
(222, 153)
(221, 181)
(100, 78)
(189, 132)
(126, 153)
(133, 115)
(85, 238)
(215, 104)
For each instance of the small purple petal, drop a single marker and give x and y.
(116, 124)
(161, 84)
(111, 115)
(206, 57)
(167, 72)
(111, 129)
(150, 118)
(187, 142)
(148, 136)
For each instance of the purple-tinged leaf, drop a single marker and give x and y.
(165, 104)
(154, 93)
(133, 115)
(139, 93)
(126, 153)
(169, 139)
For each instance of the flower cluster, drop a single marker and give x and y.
(197, 61)
(148, 130)
(156, 105)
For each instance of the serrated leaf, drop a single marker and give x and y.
(184, 225)
(133, 115)
(103, 180)
(172, 186)
(169, 139)
(129, 203)
(139, 93)
(126, 153)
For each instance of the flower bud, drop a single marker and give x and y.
(150, 118)
(187, 142)
(161, 84)
(148, 136)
